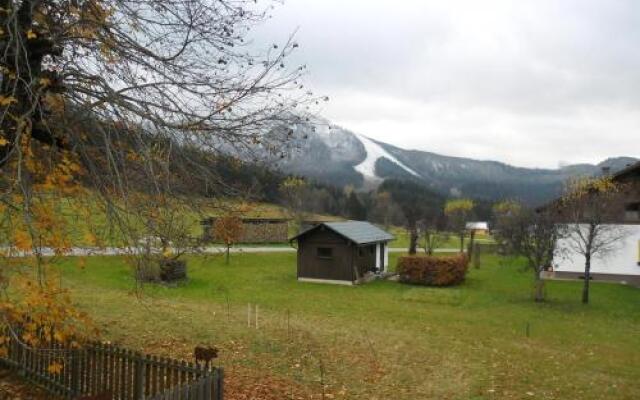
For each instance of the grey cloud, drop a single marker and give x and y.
(527, 82)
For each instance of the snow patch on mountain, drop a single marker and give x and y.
(374, 152)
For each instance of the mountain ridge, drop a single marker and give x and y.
(338, 156)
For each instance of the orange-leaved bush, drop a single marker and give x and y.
(433, 270)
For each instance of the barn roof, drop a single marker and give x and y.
(477, 225)
(359, 232)
(628, 170)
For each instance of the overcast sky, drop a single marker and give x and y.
(530, 83)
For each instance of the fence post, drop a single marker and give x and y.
(75, 373)
(219, 393)
(207, 387)
(23, 359)
(138, 386)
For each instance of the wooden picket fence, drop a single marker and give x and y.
(111, 372)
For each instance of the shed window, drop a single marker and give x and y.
(632, 212)
(325, 252)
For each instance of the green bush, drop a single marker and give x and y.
(433, 270)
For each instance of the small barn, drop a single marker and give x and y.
(479, 227)
(342, 252)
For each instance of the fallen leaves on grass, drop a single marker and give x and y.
(13, 388)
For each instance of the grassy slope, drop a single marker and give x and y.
(192, 214)
(380, 340)
(80, 225)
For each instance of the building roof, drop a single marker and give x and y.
(250, 220)
(628, 170)
(359, 232)
(477, 225)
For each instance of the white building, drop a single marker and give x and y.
(620, 265)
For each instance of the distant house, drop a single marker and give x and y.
(342, 252)
(254, 230)
(478, 227)
(624, 264)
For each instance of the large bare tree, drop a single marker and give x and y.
(116, 105)
(530, 234)
(587, 208)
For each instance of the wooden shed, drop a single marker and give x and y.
(342, 252)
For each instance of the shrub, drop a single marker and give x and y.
(433, 270)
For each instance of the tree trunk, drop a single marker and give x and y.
(470, 250)
(228, 251)
(475, 252)
(428, 244)
(462, 242)
(413, 240)
(539, 287)
(587, 279)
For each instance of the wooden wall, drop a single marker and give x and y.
(336, 268)
(365, 259)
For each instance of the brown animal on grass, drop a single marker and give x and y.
(108, 395)
(205, 354)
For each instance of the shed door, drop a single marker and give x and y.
(381, 255)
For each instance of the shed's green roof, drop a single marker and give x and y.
(359, 232)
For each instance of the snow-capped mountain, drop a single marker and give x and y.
(375, 152)
(338, 156)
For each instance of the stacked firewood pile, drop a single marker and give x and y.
(173, 270)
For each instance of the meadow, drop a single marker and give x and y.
(485, 339)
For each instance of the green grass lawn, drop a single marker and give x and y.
(382, 340)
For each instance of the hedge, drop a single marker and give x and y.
(433, 270)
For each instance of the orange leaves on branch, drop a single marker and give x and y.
(228, 229)
(44, 82)
(55, 368)
(90, 239)
(54, 102)
(458, 206)
(61, 176)
(6, 101)
(45, 313)
(581, 187)
(3, 346)
(22, 240)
